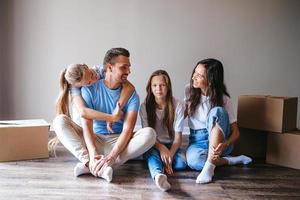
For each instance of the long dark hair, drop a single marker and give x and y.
(151, 104)
(215, 83)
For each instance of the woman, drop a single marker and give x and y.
(212, 121)
(165, 114)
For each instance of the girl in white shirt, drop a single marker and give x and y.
(212, 121)
(165, 114)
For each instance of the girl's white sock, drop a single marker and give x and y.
(207, 173)
(242, 159)
(81, 169)
(161, 182)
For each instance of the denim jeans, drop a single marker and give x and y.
(155, 163)
(197, 150)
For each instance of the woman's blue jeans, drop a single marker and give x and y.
(155, 163)
(197, 150)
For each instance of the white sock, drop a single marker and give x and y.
(233, 160)
(161, 182)
(207, 173)
(81, 169)
(107, 174)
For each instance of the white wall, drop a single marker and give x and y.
(257, 41)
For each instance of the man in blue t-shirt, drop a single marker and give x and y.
(105, 149)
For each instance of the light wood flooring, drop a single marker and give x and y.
(53, 179)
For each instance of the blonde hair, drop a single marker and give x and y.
(69, 76)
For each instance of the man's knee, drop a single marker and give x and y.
(149, 135)
(60, 121)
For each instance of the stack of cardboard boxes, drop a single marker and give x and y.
(268, 129)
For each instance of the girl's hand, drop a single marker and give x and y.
(118, 113)
(109, 126)
(166, 158)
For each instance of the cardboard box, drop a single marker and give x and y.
(23, 139)
(251, 143)
(283, 149)
(267, 113)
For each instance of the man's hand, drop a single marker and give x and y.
(99, 163)
(105, 162)
(95, 164)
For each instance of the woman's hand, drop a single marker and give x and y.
(218, 151)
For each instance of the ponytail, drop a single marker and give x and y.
(62, 107)
(62, 103)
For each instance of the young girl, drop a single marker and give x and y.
(165, 114)
(212, 121)
(71, 80)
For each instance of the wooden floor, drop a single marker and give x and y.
(53, 179)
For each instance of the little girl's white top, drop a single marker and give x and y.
(198, 120)
(160, 128)
(76, 91)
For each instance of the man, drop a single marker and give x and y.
(106, 150)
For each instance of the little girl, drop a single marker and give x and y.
(71, 80)
(165, 114)
(212, 121)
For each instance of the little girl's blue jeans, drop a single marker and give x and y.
(155, 163)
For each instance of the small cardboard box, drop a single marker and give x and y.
(283, 149)
(267, 113)
(251, 143)
(23, 139)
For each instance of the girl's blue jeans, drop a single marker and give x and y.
(155, 163)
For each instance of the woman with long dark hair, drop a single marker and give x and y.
(212, 121)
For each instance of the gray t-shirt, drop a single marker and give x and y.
(161, 130)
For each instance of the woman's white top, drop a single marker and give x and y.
(198, 120)
(160, 128)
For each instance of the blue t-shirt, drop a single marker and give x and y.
(101, 98)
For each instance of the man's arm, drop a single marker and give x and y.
(88, 135)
